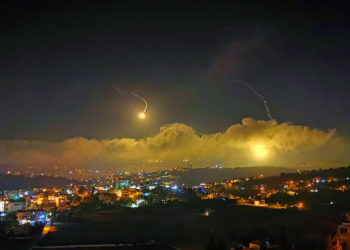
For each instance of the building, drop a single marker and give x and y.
(2, 206)
(254, 245)
(31, 216)
(341, 239)
(12, 205)
(16, 205)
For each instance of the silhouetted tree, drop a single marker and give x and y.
(211, 243)
(283, 239)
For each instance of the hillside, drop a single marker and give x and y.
(9, 182)
(199, 175)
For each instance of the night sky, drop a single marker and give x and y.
(60, 60)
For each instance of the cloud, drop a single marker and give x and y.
(252, 142)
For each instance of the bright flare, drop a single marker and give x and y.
(142, 115)
(260, 151)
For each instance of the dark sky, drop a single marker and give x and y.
(60, 60)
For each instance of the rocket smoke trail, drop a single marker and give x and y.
(141, 98)
(120, 92)
(258, 95)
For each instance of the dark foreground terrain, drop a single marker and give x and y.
(185, 226)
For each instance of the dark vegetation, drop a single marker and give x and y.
(183, 224)
(10, 239)
(277, 181)
(207, 175)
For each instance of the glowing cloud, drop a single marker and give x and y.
(260, 150)
(249, 143)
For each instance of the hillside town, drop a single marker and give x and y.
(302, 190)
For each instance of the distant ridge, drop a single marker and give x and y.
(199, 175)
(11, 182)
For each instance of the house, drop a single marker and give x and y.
(341, 239)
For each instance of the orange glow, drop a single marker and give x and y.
(300, 205)
(142, 115)
(260, 151)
